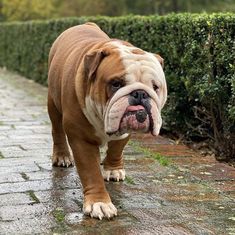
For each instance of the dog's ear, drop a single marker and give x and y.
(160, 59)
(92, 62)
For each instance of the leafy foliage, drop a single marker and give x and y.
(37, 9)
(27, 9)
(198, 49)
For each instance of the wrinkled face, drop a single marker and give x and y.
(128, 92)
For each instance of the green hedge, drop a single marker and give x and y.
(199, 53)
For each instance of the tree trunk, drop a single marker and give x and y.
(175, 6)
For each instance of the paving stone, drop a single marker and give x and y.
(37, 146)
(37, 225)
(11, 148)
(16, 212)
(9, 177)
(227, 186)
(4, 128)
(14, 132)
(31, 137)
(6, 142)
(39, 175)
(15, 199)
(19, 187)
(8, 153)
(61, 197)
(24, 161)
(20, 168)
(29, 127)
(26, 123)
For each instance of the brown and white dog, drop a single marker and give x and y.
(100, 90)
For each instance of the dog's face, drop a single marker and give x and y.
(127, 89)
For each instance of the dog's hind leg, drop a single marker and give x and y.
(61, 155)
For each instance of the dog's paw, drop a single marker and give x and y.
(62, 161)
(100, 210)
(114, 175)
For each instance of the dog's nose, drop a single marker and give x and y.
(138, 96)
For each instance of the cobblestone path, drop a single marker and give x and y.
(169, 188)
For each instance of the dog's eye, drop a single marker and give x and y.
(116, 84)
(155, 87)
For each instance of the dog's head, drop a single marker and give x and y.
(126, 91)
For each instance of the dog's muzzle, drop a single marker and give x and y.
(137, 116)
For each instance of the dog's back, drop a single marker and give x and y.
(67, 53)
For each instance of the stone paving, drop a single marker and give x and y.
(169, 188)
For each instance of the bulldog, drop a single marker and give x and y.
(99, 91)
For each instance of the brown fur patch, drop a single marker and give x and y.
(138, 51)
(160, 59)
(126, 44)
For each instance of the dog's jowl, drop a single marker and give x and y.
(100, 91)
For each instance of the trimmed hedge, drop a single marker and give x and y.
(199, 53)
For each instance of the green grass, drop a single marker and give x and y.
(129, 180)
(24, 176)
(33, 196)
(161, 159)
(149, 153)
(34, 115)
(59, 214)
(1, 155)
(46, 122)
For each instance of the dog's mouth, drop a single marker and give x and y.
(133, 114)
(135, 119)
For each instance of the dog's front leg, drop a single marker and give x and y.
(113, 163)
(97, 202)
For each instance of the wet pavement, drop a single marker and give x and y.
(169, 188)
